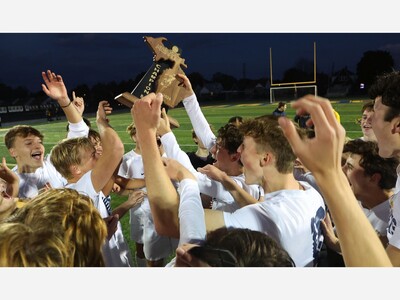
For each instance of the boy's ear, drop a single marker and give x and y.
(265, 159)
(75, 170)
(235, 156)
(376, 177)
(13, 152)
(396, 125)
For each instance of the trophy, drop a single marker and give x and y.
(160, 78)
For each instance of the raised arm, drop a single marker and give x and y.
(192, 227)
(196, 116)
(54, 87)
(163, 197)
(113, 149)
(322, 156)
(11, 178)
(170, 144)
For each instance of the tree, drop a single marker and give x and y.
(372, 64)
(228, 82)
(303, 71)
(6, 92)
(196, 79)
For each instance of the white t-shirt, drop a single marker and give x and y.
(379, 216)
(132, 167)
(116, 251)
(222, 198)
(393, 231)
(31, 183)
(291, 217)
(126, 168)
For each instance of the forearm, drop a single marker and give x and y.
(72, 115)
(394, 255)
(122, 209)
(130, 183)
(13, 189)
(241, 196)
(108, 187)
(162, 195)
(110, 141)
(135, 183)
(108, 162)
(133, 200)
(199, 121)
(351, 222)
(333, 243)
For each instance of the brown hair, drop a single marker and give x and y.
(250, 248)
(20, 131)
(268, 135)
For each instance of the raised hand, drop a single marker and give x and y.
(185, 82)
(164, 125)
(11, 179)
(54, 87)
(322, 155)
(331, 239)
(79, 103)
(104, 109)
(212, 172)
(176, 171)
(324, 152)
(147, 114)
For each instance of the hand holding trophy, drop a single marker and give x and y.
(160, 78)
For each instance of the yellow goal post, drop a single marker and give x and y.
(294, 90)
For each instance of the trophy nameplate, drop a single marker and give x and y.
(160, 77)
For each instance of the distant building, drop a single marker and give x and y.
(211, 88)
(341, 83)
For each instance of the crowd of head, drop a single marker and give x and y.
(260, 192)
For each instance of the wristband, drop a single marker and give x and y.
(66, 105)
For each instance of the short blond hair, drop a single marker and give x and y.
(131, 129)
(70, 217)
(21, 246)
(68, 153)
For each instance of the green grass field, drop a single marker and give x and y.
(216, 115)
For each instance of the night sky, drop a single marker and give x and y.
(103, 57)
